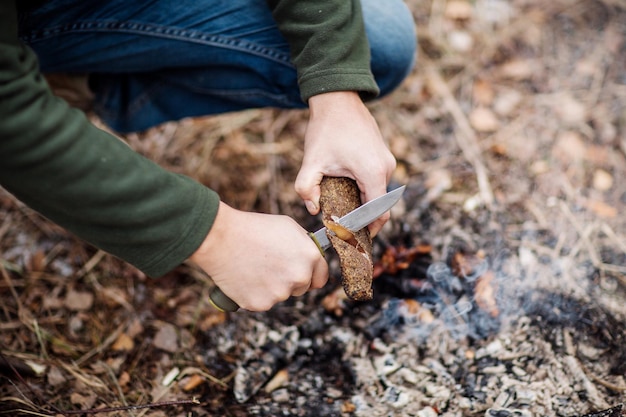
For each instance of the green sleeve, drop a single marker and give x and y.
(86, 180)
(328, 45)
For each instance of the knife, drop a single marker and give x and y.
(353, 221)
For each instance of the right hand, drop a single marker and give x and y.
(259, 260)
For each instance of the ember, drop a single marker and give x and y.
(459, 296)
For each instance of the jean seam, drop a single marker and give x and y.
(160, 31)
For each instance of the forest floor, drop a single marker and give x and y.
(502, 273)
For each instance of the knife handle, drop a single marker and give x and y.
(317, 243)
(221, 301)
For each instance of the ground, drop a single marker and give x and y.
(503, 286)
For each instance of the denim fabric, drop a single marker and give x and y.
(152, 61)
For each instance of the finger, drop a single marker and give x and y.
(307, 186)
(378, 224)
(320, 274)
(301, 290)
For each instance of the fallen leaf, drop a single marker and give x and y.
(166, 338)
(467, 264)
(483, 92)
(124, 379)
(484, 120)
(484, 293)
(278, 380)
(123, 343)
(348, 407)
(570, 147)
(335, 301)
(518, 69)
(458, 10)
(193, 382)
(78, 300)
(55, 376)
(84, 401)
(601, 208)
(602, 180)
(437, 182)
(569, 109)
(212, 319)
(506, 102)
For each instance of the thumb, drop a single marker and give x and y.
(307, 186)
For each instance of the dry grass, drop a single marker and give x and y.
(516, 112)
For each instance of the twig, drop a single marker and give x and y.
(276, 127)
(101, 347)
(24, 383)
(193, 401)
(91, 264)
(465, 137)
(116, 383)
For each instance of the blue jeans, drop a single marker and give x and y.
(153, 61)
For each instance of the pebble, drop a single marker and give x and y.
(427, 412)
(281, 395)
(386, 365)
(396, 397)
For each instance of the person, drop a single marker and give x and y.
(152, 61)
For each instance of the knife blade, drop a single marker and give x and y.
(353, 221)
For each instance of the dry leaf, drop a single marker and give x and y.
(124, 379)
(348, 407)
(192, 382)
(83, 401)
(601, 208)
(437, 182)
(506, 102)
(458, 10)
(166, 338)
(123, 343)
(484, 120)
(78, 300)
(55, 376)
(212, 319)
(570, 147)
(483, 92)
(335, 301)
(485, 294)
(602, 180)
(569, 109)
(518, 69)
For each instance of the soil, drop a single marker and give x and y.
(500, 283)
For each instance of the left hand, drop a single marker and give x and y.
(343, 140)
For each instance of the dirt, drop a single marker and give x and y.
(504, 284)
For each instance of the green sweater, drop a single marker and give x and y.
(88, 181)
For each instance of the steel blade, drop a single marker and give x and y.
(361, 216)
(370, 211)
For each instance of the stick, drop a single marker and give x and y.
(466, 137)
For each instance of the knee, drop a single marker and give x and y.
(391, 33)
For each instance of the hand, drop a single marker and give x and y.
(343, 140)
(259, 260)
